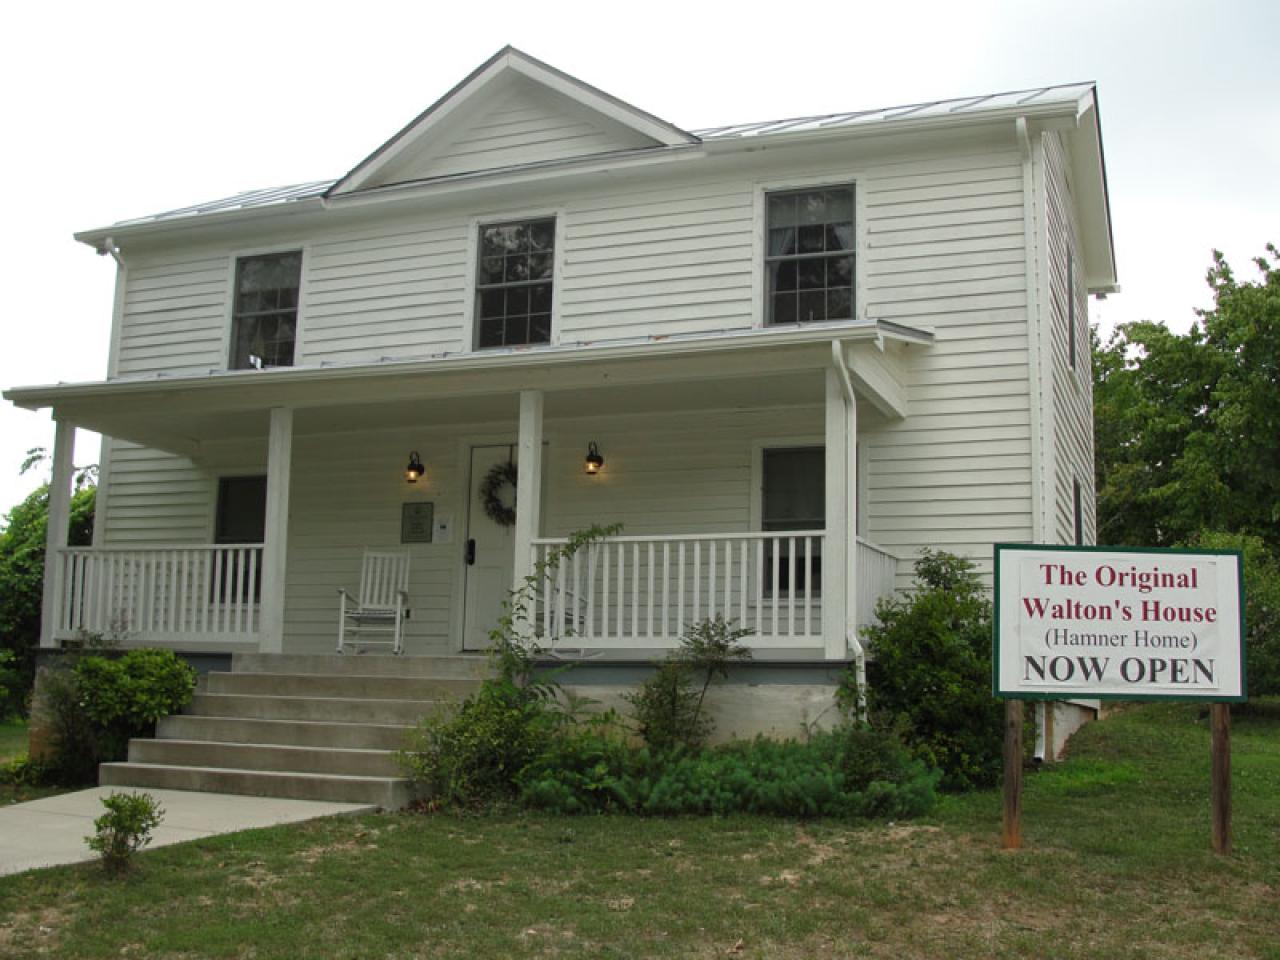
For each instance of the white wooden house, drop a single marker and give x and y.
(805, 350)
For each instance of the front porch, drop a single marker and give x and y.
(688, 443)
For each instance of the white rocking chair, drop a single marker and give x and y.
(381, 607)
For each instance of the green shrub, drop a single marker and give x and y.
(123, 697)
(22, 771)
(124, 829)
(667, 707)
(97, 704)
(847, 772)
(929, 672)
(1262, 608)
(475, 752)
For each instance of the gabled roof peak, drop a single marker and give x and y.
(507, 63)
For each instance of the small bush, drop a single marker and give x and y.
(929, 672)
(668, 706)
(124, 829)
(22, 771)
(847, 772)
(123, 697)
(475, 752)
(97, 705)
(666, 709)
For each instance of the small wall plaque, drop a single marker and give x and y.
(416, 522)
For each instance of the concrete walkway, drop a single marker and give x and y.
(42, 833)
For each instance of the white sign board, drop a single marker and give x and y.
(1097, 622)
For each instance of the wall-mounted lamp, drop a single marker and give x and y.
(414, 471)
(594, 460)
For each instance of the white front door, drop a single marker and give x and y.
(489, 551)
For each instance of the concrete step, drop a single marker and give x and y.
(349, 686)
(368, 664)
(389, 792)
(328, 709)
(299, 733)
(260, 756)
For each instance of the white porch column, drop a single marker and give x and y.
(835, 550)
(64, 448)
(529, 483)
(276, 534)
(851, 514)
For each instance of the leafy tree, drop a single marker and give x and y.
(22, 545)
(1187, 427)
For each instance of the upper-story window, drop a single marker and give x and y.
(809, 260)
(264, 321)
(514, 283)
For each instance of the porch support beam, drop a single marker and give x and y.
(64, 448)
(835, 550)
(276, 533)
(528, 484)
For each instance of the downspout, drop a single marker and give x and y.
(851, 535)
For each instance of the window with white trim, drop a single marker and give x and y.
(264, 318)
(809, 256)
(514, 283)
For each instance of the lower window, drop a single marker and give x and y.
(793, 497)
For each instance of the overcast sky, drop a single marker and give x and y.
(116, 110)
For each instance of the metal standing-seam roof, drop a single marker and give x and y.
(794, 125)
(241, 201)
(935, 108)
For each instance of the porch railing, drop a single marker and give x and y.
(191, 592)
(643, 591)
(877, 576)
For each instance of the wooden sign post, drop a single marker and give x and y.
(1220, 754)
(1012, 833)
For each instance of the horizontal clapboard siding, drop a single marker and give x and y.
(389, 292)
(945, 250)
(153, 497)
(174, 315)
(1072, 387)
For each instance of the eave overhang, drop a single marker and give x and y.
(179, 413)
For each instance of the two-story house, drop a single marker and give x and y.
(786, 356)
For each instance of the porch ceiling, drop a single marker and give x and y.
(751, 369)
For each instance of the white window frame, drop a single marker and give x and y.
(229, 305)
(472, 267)
(760, 227)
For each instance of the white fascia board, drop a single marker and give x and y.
(39, 397)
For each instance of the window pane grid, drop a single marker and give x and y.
(264, 323)
(514, 283)
(810, 260)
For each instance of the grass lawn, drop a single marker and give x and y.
(1116, 864)
(13, 739)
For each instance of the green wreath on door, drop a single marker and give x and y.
(500, 476)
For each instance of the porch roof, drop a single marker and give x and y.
(181, 413)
